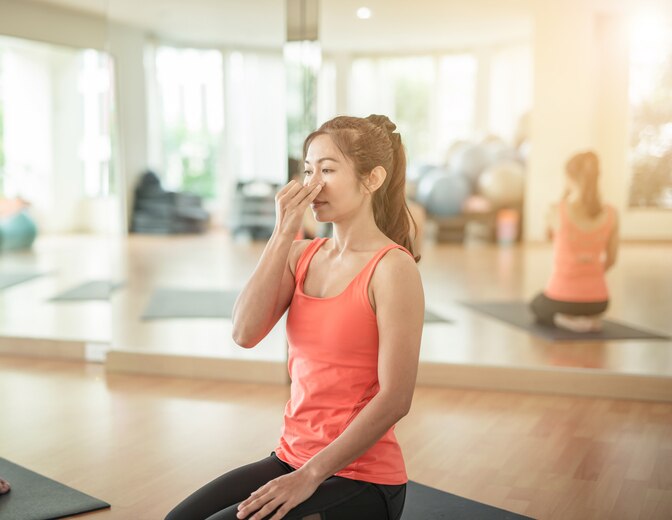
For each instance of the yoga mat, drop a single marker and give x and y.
(182, 303)
(9, 279)
(93, 290)
(431, 317)
(34, 497)
(519, 315)
(426, 503)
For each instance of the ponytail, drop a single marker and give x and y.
(584, 169)
(389, 202)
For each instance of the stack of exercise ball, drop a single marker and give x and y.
(442, 192)
(477, 177)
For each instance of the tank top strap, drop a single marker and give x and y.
(305, 258)
(562, 212)
(367, 272)
(611, 219)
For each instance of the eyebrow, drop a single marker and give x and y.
(322, 160)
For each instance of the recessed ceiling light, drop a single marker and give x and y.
(363, 13)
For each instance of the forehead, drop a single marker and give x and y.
(322, 146)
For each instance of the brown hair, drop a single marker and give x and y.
(370, 142)
(584, 169)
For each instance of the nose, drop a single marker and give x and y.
(311, 180)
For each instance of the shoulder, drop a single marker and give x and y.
(395, 269)
(613, 214)
(295, 252)
(396, 285)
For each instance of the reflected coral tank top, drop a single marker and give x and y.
(578, 270)
(333, 365)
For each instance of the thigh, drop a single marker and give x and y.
(582, 308)
(543, 308)
(339, 498)
(228, 490)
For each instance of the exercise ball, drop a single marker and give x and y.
(443, 193)
(503, 184)
(17, 232)
(499, 151)
(469, 161)
(416, 170)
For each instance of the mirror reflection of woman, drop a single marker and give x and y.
(584, 231)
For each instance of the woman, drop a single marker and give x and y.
(585, 236)
(356, 308)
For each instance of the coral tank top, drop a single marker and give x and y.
(578, 270)
(333, 365)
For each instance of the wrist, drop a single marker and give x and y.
(313, 473)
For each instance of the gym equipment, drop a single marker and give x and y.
(477, 204)
(442, 193)
(469, 161)
(503, 184)
(17, 231)
(157, 211)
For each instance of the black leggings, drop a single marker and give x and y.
(337, 498)
(545, 308)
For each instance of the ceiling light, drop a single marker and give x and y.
(363, 13)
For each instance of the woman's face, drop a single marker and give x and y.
(342, 193)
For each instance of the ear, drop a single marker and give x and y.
(376, 178)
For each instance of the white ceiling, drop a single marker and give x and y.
(396, 25)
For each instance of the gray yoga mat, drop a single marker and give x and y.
(432, 317)
(93, 290)
(426, 503)
(34, 497)
(181, 303)
(10, 279)
(519, 315)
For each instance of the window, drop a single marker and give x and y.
(400, 88)
(651, 115)
(189, 85)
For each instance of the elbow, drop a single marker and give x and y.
(401, 409)
(404, 410)
(242, 340)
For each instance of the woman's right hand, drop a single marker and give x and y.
(290, 205)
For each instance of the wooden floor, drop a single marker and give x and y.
(142, 443)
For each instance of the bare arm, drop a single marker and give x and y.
(612, 246)
(268, 292)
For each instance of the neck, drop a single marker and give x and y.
(357, 233)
